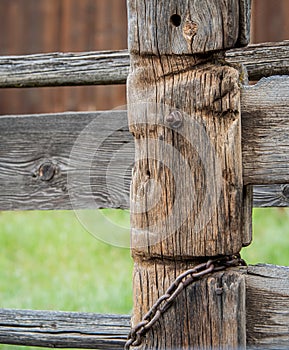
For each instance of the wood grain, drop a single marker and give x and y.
(190, 34)
(266, 291)
(270, 157)
(112, 67)
(248, 200)
(187, 183)
(205, 154)
(63, 329)
(27, 142)
(219, 299)
(245, 22)
(66, 181)
(262, 60)
(267, 300)
(271, 196)
(59, 69)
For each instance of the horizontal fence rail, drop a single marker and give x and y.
(262, 60)
(63, 329)
(267, 290)
(267, 304)
(84, 160)
(265, 109)
(112, 67)
(271, 195)
(64, 69)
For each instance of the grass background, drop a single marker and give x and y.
(49, 261)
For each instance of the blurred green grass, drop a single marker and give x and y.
(270, 242)
(49, 261)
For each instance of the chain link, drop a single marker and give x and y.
(164, 302)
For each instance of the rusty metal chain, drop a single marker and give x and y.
(137, 333)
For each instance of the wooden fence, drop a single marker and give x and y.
(32, 26)
(35, 166)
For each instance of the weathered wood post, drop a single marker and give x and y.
(187, 196)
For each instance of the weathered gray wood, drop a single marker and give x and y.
(267, 303)
(271, 196)
(265, 127)
(63, 329)
(267, 314)
(183, 28)
(187, 183)
(94, 68)
(27, 142)
(245, 22)
(247, 215)
(221, 294)
(195, 217)
(262, 60)
(59, 69)
(38, 171)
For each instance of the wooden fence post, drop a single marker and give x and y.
(187, 197)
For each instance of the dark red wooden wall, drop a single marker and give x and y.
(32, 26)
(270, 20)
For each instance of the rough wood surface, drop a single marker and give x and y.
(265, 148)
(59, 69)
(267, 315)
(247, 215)
(187, 183)
(197, 168)
(267, 303)
(112, 67)
(215, 308)
(183, 28)
(262, 60)
(271, 196)
(27, 142)
(245, 22)
(39, 171)
(63, 329)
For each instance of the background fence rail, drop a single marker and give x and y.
(111, 67)
(64, 69)
(267, 290)
(35, 154)
(63, 329)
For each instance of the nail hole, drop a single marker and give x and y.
(176, 20)
(148, 173)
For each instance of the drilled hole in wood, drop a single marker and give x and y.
(176, 20)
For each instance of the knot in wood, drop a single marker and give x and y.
(285, 191)
(174, 119)
(46, 171)
(190, 29)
